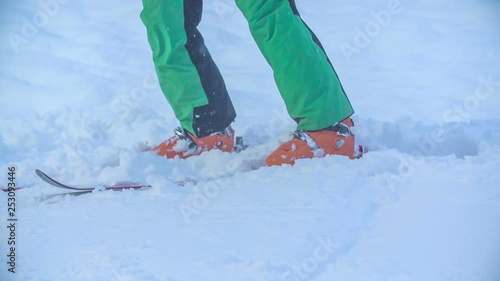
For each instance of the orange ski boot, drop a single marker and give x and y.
(336, 139)
(184, 144)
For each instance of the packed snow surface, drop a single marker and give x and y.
(79, 100)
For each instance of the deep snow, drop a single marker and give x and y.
(79, 98)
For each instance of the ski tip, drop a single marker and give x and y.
(42, 176)
(39, 173)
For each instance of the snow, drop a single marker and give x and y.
(80, 99)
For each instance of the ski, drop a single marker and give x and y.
(8, 189)
(120, 186)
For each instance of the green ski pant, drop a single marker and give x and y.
(195, 88)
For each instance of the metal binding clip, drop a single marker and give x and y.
(302, 135)
(342, 129)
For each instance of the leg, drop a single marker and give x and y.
(305, 77)
(188, 76)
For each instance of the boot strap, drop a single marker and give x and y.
(341, 129)
(313, 145)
